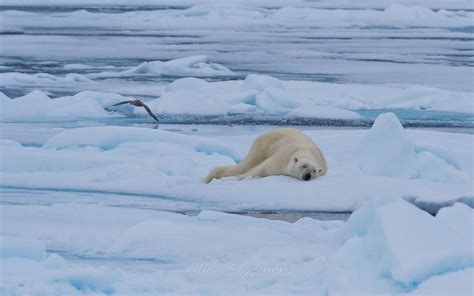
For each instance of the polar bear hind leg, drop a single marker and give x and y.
(255, 172)
(253, 158)
(263, 169)
(219, 172)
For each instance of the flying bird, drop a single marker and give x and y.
(138, 103)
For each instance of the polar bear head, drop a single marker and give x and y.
(307, 167)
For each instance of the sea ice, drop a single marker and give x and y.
(387, 150)
(84, 210)
(196, 66)
(11, 246)
(218, 15)
(146, 161)
(260, 94)
(256, 95)
(37, 106)
(408, 244)
(377, 251)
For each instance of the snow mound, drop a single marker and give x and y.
(38, 106)
(407, 243)
(39, 79)
(11, 246)
(187, 84)
(197, 66)
(109, 137)
(257, 94)
(262, 82)
(387, 150)
(266, 95)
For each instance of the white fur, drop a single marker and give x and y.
(283, 151)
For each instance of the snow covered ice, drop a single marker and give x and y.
(189, 66)
(133, 162)
(97, 199)
(368, 254)
(255, 95)
(155, 162)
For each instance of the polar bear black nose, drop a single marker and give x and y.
(307, 177)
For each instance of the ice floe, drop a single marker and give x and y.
(135, 160)
(38, 106)
(14, 78)
(408, 244)
(395, 240)
(387, 150)
(256, 95)
(218, 15)
(195, 66)
(385, 247)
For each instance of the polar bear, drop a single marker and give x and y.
(284, 151)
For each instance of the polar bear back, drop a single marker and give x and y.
(283, 138)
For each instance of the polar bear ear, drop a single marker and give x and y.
(296, 159)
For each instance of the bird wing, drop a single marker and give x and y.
(138, 103)
(149, 112)
(121, 103)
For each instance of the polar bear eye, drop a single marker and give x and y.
(320, 170)
(296, 159)
(304, 166)
(314, 171)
